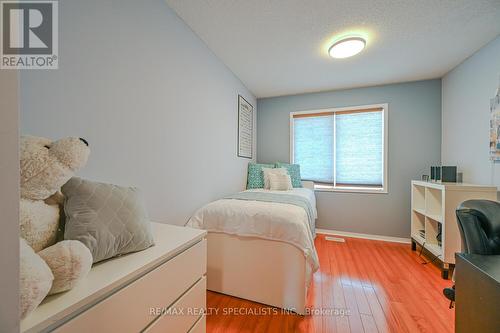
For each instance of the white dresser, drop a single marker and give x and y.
(433, 206)
(161, 289)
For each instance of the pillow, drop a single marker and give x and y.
(293, 171)
(109, 219)
(272, 171)
(255, 178)
(280, 182)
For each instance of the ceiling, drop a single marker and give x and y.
(279, 47)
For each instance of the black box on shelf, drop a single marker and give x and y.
(449, 174)
(437, 173)
(433, 173)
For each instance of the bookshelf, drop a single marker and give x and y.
(433, 207)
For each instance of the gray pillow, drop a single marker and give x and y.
(110, 220)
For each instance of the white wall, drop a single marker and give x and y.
(158, 108)
(9, 201)
(414, 145)
(466, 94)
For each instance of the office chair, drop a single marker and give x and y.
(479, 226)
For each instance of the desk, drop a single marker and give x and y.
(477, 293)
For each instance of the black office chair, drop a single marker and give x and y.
(479, 225)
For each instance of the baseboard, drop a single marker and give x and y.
(364, 236)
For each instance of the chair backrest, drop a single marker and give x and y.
(479, 225)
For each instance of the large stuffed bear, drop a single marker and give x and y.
(48, 266)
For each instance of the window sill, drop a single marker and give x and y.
(323, 188)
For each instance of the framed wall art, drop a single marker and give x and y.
(245, 128)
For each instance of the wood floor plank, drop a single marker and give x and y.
(384, 285)
(351, 296)
(376, 309)
(362, 260)
(342, 323)
(328, 295)
(375, 279)
(369, 325)
(380, 284)
(354, 276)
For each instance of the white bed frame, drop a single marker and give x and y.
(265, 271)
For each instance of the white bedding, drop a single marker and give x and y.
(268, 220)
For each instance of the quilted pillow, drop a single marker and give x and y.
(109, 219)
(293, 171)
(255, 178)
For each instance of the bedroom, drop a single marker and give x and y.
(154, 88)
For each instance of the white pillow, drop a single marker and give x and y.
(272, 171)
(280, 182)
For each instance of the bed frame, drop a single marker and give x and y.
(265, 271)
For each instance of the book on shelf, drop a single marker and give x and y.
(421, 233)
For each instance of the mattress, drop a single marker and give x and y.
(266, 220)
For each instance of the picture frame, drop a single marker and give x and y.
(495, 126)
(245, 128)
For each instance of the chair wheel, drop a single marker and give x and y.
(449, 293)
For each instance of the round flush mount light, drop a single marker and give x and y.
(347, 47)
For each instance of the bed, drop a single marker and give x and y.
(261, 245)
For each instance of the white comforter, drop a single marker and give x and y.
(269, 220)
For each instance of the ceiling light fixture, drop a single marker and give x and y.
(347, 47)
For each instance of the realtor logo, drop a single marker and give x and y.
(29, 35)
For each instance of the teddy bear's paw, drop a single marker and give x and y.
(35, 279)
(70, 261)
(55, 199)
(39, 223)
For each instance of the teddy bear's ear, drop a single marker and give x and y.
(35, 140)
(34, 158)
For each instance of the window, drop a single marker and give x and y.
(342, 149)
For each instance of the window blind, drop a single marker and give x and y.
(344, 148)
(313, 147)
(359, 148)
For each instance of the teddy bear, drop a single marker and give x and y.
(48, 266)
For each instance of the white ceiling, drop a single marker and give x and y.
(278, 47)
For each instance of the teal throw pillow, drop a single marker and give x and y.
(255, 178)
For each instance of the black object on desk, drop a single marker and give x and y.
(477, 293)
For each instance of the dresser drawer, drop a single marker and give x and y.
(200, 326)
(184, 313)
(132, 308)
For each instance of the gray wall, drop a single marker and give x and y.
(157, 106)
(414, 145)
(467, 91)
(9, 201)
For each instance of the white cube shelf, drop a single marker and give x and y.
(433, 206)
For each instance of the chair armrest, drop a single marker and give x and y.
(308, 184)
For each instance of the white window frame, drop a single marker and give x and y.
(385, 131)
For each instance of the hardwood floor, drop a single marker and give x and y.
(382, 286)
